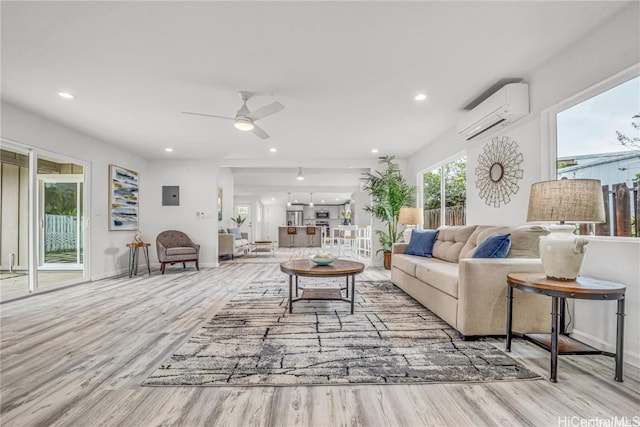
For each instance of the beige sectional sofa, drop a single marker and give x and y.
(228, 245)
(470, 293)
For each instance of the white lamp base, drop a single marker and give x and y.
(562, 252)
(406, 234)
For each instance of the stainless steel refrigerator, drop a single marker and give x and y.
(294, 217)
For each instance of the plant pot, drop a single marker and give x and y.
(387, 260)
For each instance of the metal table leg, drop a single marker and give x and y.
(290, 294)
(509, 317)
(136, 260)
(347, 286)
(130, 262)
(146, 256)
(353, 290)
(555, 302)
(619, 340)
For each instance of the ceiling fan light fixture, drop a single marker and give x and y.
(243, 124)
(300, 175)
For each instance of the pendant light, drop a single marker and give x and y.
(300, 175)
(311, 202)
(289, 200)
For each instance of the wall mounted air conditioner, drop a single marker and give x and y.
(506, 106)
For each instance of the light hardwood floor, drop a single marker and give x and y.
(78, 356)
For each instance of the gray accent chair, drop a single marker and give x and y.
(174, 246)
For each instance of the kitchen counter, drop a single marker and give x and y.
(301, 239)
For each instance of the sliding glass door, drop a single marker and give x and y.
(42, 211)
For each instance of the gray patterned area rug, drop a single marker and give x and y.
(391, 339)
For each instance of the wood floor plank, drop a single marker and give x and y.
(78, 357)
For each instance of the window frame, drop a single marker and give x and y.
(548, 129)
(548, 116)
(438, 165)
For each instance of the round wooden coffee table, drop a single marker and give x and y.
(307, 268)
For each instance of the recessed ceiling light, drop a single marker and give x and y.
(168, 150)
(273, 150)
(321, 201)
(66, 95)
(337, 199)
(273, 198)
(295, 201)
(420, 97)
(374, 151)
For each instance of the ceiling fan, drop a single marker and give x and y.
(245, 119)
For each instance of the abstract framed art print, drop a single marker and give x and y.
(123, 198)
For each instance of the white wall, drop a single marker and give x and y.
(604, 52)
(616, 259)
(198, 182)
(107, 253)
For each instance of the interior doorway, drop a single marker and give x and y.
(244, 211)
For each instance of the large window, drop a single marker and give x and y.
(445, 199)
(599, 138)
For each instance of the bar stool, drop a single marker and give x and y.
(311, 232)
(292, 231)
(362, 240)
(349, 239)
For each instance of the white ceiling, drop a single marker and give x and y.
(345, 71)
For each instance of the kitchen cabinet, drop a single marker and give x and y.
(309, 212)
(334, 212)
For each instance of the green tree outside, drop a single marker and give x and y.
(455, 174)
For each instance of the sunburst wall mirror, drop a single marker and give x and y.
(498, 171)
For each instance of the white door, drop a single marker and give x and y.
(244, 210)
(274, 218)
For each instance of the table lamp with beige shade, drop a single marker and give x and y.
(566, 200)
(410, 217)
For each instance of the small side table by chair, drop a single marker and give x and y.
(134, 257)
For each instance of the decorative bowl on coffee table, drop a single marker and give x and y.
(322, 261)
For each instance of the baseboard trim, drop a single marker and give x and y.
(632, 359)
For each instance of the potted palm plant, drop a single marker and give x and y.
(239, 221)
(389, 191)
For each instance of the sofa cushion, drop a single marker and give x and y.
(408, 263)
(451, 240)
(237, 243)
(525, 241)
(441, 275)
(421, 243)
(479, 235)
(181, 250)
(494, 246)
(236, 232)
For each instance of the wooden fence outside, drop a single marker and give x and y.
(621, 211)
(454, 215)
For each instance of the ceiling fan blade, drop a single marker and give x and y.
(265, 111)
(208, 115)
(260, 132)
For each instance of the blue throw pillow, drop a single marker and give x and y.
(421, 243)
(236, 232)
(494, 246)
